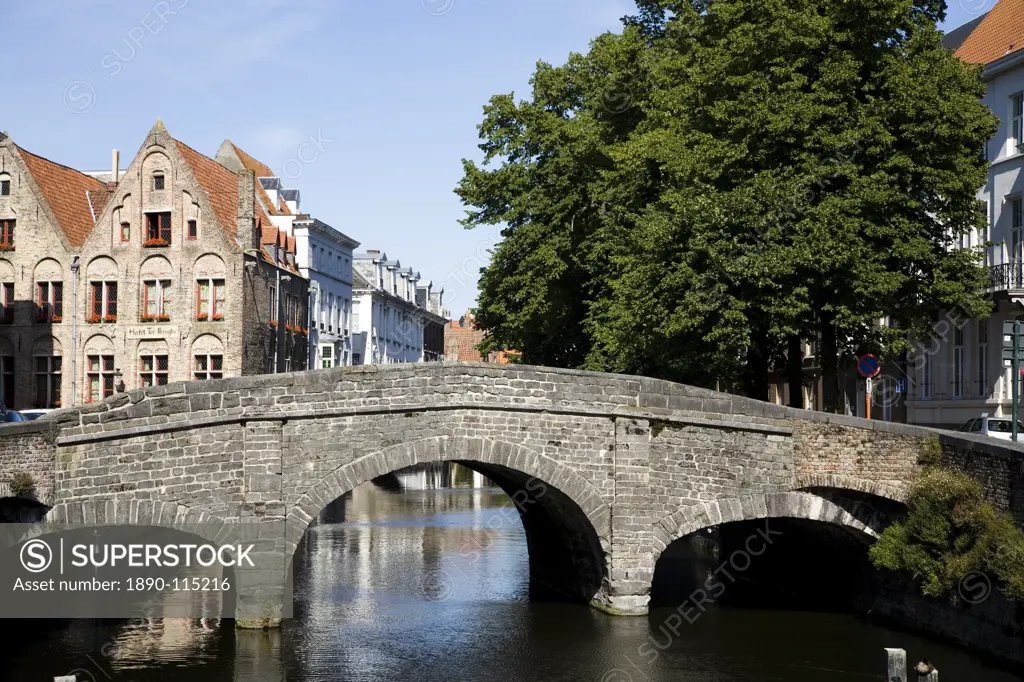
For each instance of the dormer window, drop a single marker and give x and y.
(158, 181)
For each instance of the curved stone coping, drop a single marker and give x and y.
(656, 397)
(898, 492)
(546, 470)
(321, 413)
(795, 505)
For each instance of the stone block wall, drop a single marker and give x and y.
(29, 447)
(634, 462)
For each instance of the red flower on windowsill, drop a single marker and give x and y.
(6, 246)
(94, 319)
(110, 318)
(56, 403)
(56, 318)
(150, 243)
(273, 323)
(219, 317)
(147, 318)
(163, 317)
(303, 331)
(202, 317)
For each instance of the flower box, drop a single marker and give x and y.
(147, 318)
(110, 318)
(155, 243)
(94, 319)
(163, 317)
(56, 318)
(202, 317)
(218, 317)
(6, 246)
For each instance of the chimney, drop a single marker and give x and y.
(115, 161)
(373, 252)
(246, 224)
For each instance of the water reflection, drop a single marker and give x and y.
(432, 584)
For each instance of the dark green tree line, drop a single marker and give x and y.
(693, 197)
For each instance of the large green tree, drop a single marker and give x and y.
(693, 197)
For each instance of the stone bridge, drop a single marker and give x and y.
(606, 470)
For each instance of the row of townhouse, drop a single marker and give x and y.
(178, 267)
(397, 318)
(363, 308)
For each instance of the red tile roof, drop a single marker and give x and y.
(220, 184)
(262, 170)
(67, 193)
(999, 33)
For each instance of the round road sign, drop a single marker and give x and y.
(868, 366)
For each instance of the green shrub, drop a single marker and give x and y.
(931, 453)
(951, 530)
(23, 485)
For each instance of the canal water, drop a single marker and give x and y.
(431, 583)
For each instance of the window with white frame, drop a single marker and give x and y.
(958, 362)
(983, 358)
(1017, 120)
(327, 356)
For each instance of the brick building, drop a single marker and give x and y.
(461, 337)
(168, 272)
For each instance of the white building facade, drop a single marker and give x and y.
(325, 256)
(962, 375)
(390, 321)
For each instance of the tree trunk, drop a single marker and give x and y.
(795, 371)
(829, 353)
(755, 373)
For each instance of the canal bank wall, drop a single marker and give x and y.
(982, 620)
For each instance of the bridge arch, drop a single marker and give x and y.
(566, 520)
(895, 493)
(803, 506)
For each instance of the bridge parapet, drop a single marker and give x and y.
(625, 452)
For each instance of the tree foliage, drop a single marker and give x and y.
(725, 176)
(951, 531)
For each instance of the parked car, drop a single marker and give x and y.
(32, 414)
(12, 416)
(996, 427)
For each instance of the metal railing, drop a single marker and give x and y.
(1007, 275)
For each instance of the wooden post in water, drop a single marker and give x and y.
(897, 665)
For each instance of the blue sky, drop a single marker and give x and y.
(392, 90)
